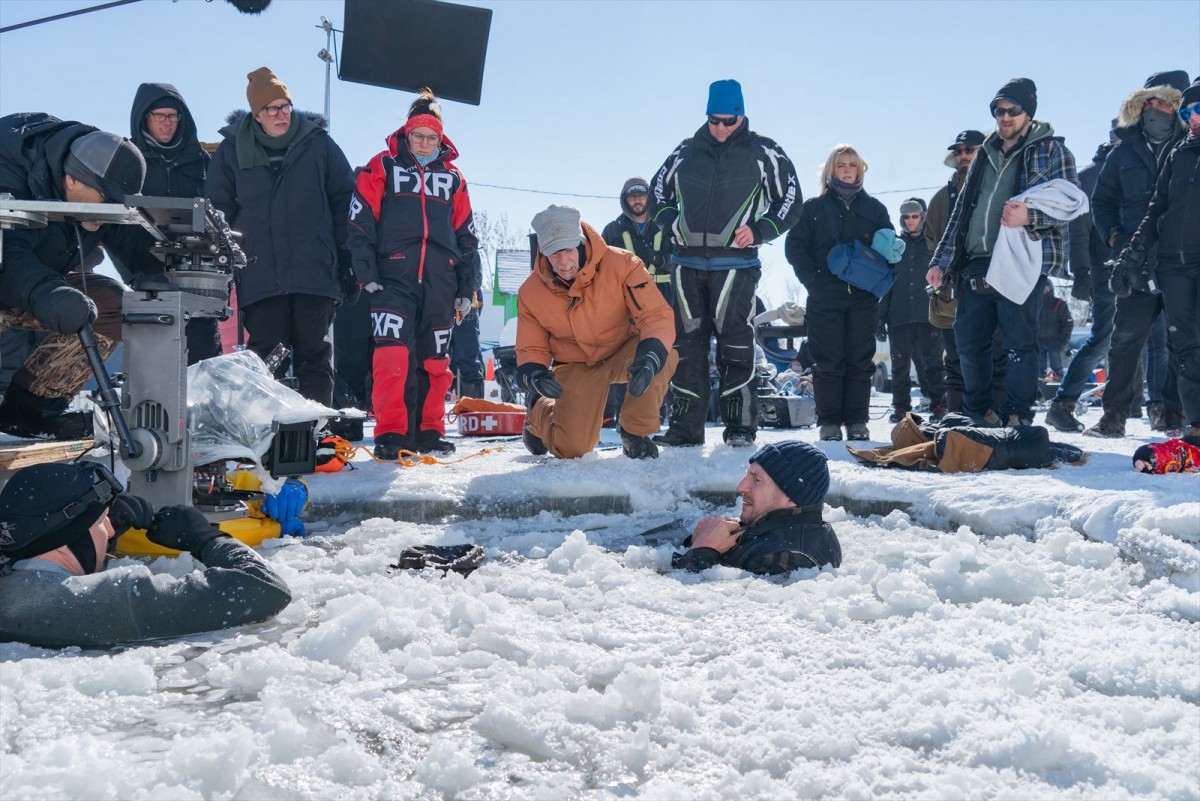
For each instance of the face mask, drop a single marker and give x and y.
(423, 160)
(1157, 125)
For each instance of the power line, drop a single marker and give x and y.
(75, 13)
(614, 197)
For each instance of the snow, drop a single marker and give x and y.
(1030, 634)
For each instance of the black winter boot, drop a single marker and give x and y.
(388, 446)
(677, 438)
(1061, 416)
(898, 414)
(1173, 425)
(470, 389)
(636, 447)
(1111, 426)
(433, 442)
(736, 437)
(830, 432)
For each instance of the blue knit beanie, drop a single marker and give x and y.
(725, 97)
(798, 468)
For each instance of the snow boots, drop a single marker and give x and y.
(676, 438)
(1111, 426)
(29, 416)
(830, 432)
(858, 432)
(736, 437)
(433, 442)
(388, 446)
(1061, 416)
(636, 447)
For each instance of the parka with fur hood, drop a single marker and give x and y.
(1126, 181)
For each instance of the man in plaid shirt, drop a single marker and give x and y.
(1019, 155)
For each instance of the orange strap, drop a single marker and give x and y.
(414, 459)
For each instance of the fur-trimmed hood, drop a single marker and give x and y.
(1131, 109)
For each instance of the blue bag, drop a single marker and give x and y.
(860, 266)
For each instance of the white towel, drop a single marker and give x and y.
(1017, 259)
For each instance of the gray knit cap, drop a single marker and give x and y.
(557, 228)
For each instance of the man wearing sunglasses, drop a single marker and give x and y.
(723, 192)
(1019, 155)
(57, 522)
(46, 284)
(1170, 223)
(942, 304)
(285, 184)
(1147, 129)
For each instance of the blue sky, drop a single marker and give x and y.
(579, 96)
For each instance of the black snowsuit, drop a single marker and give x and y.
(904, 311)
(780, 541)
(293, 222)
(1171, 221)
(840, 317)
(41, 604)
(1120, 201)
(704, 192)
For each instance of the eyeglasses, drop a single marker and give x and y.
(965, 151)
(422, 139)
(1012, 111)
(275, 111)
(1188, 111)
(164, 116)
(728, 122)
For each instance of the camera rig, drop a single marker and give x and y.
(200, 256)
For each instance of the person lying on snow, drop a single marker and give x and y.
(56, 522)
(780, 528)
(1172, 456)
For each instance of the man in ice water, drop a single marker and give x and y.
(780, 528)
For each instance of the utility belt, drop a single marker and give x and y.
(980, 285)
(974, 276)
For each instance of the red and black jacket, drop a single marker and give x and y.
(403, 213)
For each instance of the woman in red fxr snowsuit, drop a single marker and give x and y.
(413, 239)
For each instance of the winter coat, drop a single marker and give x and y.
(1125, 185)
(1088, 250)
(780, 541)
(938, 216)
(907, 301)
(398, 204)
(179, 172)
(52, 609)
(293, 224)
(1054, 320)
(33, 147)
(826, 221)
(649, 244)
(1044, 157)
(1171, 218)
(175, 172)
(611, 299)
(706, 190)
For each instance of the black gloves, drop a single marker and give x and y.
(61, 308)
(347, 278)
(539, 380)
(1082, 288)
(182, 528)
(649, 359)
(130, 511)
(1127, 270)
(881, 330)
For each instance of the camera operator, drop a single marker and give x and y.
(56, 521)
(45, 285)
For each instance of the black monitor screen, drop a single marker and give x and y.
(409, 44)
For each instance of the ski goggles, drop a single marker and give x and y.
(1188, 111)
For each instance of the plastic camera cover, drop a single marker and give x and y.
(233, 402)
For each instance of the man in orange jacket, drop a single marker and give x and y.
(590, 316)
